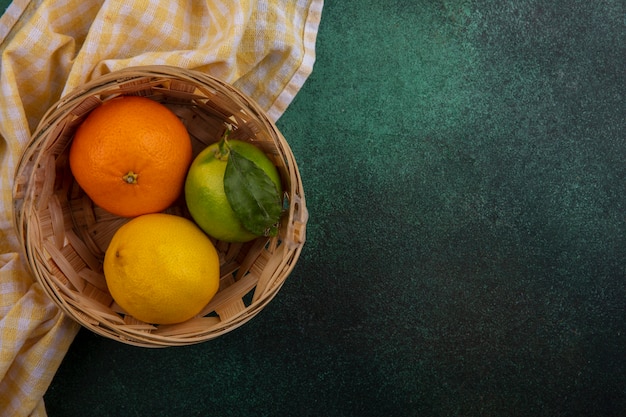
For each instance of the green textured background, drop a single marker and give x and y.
(464, 167)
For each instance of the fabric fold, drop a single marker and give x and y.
(35, 336)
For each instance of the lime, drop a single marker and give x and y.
(225, 213)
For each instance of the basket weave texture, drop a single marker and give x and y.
(64, 235)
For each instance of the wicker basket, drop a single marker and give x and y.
(65, 235)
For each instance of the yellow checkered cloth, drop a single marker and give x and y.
(48, 47)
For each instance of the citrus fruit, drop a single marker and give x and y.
(161, 268)
(205, 194)
(130, 155)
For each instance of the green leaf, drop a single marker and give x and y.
(252, 195)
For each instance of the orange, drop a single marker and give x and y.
(131, 155)
(205, 195)
(161, 269)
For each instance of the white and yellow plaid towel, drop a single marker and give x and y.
(49, 47)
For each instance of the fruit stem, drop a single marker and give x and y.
(223, 148)
(130, 178)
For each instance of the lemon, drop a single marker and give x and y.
(161, 268)
(205, 195)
